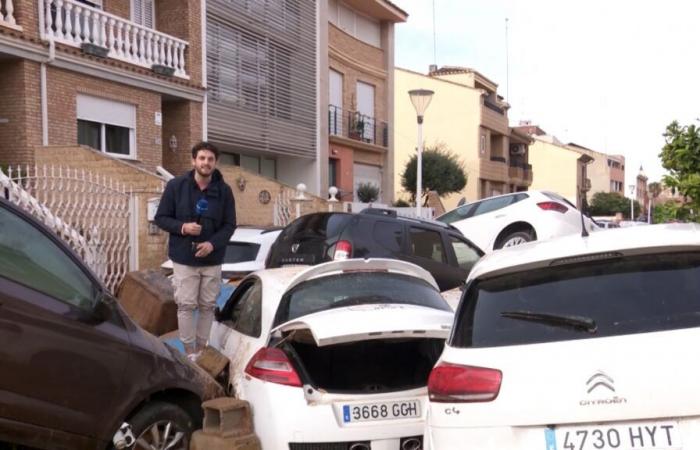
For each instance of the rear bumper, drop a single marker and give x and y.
(281, 416)
(540, 437)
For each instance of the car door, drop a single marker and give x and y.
(487, 219)
(426, 249)
(242, 315)
(62, 366)
(462, 255)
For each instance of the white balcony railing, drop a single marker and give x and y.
(76, 24)
(7, 14)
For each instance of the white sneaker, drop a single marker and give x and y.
(194, 356)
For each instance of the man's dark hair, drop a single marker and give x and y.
(204, 145)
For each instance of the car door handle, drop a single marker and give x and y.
(500, 216)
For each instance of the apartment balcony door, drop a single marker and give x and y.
(365, 106)
(335, 98)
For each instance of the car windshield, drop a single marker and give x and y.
(361, 288)
(612, 297)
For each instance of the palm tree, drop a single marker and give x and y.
(654, 189)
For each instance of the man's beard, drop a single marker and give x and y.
(203, 174)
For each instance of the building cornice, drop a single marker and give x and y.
(336, 54)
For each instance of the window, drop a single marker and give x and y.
(427, 244)
(266, 167)
(350, 289)
(94, 3)
(107, 126)
(361, 27)
(621, 296)
(389, 235)
(237, 252)
(248, 71)
(332, 172)
(29, 257)
(482, 144)
(246, 315)
(143, 12)
(487, 206)
(466, 255)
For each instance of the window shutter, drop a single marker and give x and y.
(144, 12)
(148, 13)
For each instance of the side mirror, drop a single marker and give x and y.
(102, 311)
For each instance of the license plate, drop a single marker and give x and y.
(364, 412)
(631, 436)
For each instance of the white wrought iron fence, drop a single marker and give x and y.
(282, 213)
(93, 214)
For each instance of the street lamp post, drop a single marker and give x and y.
(420, 99)
(632, 191)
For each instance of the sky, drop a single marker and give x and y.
(606, 74)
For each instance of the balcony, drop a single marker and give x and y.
(105, 35)
(7, 15)
(520, 171)
(356, 126)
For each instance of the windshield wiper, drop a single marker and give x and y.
(581, 323)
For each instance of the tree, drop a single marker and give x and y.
(611, 203)
(367, 192)
(443, 172)
(681, 157)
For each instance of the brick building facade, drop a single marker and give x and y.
(357, 86)
(127, 83)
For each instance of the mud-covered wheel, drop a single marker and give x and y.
(161, 426)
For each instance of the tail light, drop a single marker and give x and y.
(452, 383)
(553, 206)
(271, 364)
(343, 250)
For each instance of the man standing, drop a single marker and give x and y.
(199, 211)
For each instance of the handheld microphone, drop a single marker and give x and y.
(201, 207)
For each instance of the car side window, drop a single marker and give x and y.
(389, 235)
(427, 244)
(246, 314)
(29, 257)
(487, 206)
(466, 255)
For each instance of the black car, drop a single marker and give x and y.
(75, 368)
(377, 233)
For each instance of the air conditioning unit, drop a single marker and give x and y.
(518, 149)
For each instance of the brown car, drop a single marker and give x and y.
(73, 367)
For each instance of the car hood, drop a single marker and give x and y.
(374, 321)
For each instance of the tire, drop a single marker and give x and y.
(515, 238)
(150, 424)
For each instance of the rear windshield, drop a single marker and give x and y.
(237, 252)
(607, 298)
(361, 288)
(307, 240)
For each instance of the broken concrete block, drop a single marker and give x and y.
(227, 417)
(212, 361)
(147, 297)
(203, 441)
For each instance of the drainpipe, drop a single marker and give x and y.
(44, 99)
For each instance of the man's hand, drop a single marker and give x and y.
(191, 228)
(203, 249)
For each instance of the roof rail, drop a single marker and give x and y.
(379, 212)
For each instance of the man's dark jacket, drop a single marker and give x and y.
(178, 206)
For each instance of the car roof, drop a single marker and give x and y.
(380, 213)
(634, 240)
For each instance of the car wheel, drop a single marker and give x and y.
(516, 238)
(160, 426)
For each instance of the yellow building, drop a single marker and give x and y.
(471, 120)
(559, 168)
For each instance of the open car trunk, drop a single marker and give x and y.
(365, 366)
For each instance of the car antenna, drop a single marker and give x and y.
(584, 232)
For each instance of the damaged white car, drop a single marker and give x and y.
(336, 355)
